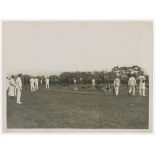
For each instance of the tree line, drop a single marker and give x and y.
(104, 76)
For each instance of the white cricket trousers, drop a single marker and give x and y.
(18, 95)
(132, 89)
(93, 85)
(142, 90)
(116, 90)
(47, 85)
(36, 86)
(32, 88)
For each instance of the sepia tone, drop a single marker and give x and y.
(75, 76)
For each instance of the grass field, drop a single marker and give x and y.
(69, 109)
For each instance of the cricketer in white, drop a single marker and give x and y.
(19, 88)
(141, 80)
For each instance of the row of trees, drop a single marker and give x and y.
(86, 77)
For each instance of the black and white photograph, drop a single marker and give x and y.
(77, 76)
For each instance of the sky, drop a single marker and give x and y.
(51, 47)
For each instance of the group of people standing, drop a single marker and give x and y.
(34, 83)
(14, 87)
(132, 83)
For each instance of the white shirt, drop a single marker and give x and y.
(47, 80)
(36, 80)
(93, 80)
(19, 83)
(12, 87)
(132, 81)
(117, 82)
(141, 78)
(32, 81)
(12, 83)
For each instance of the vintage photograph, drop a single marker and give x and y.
(77, 75)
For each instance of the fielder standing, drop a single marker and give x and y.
(74, 85)
(93, 83)
(36, 83)
(132, 84)
(47, 82)
(116, 85)
(41, 81)
(12, 86)
(19, 88)
(32, 84)
(141, 80)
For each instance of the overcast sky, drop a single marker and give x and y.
(51, 47)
